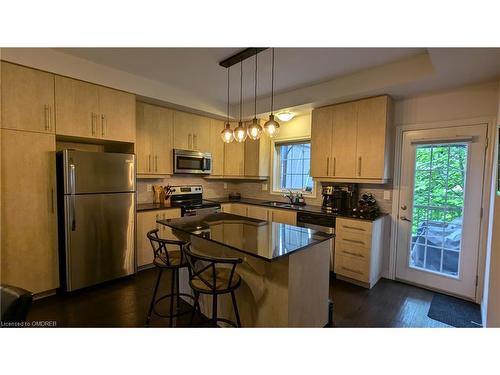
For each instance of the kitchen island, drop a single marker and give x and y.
(285, 269)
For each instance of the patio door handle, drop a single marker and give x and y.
(404, 218)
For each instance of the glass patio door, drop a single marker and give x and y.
(440, 208)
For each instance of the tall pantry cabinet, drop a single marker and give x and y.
(28, 180)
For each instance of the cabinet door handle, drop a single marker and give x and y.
(103, 125)
(94, 120)
(190, 141)
(353, 254)
(46, 112)
(355, 228)
(149, 163)
(327, 165)
(353, 241)
(195, 142)
(359, 166)
(52, 200)
(156, 163)
(50, 117)
(351, 270)
(334, 166)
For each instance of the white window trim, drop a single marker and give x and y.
(274, 178)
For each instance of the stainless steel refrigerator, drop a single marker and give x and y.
(96, 193)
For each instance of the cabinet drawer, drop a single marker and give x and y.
(355, 239)
(352, 267)
(353, 226)
(346, 248)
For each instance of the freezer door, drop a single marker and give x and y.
(100, 238)
(98, 172)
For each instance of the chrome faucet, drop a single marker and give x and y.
(290, 196)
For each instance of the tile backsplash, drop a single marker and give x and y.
(215, 189)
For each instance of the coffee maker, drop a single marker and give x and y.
(339, 197)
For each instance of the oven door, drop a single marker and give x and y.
(192, 162)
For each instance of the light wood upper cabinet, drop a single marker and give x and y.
(217, 147)
(77, 108)
(201, 133)
(154, 140)
(91, 111)
(183, 135)
(343, 162)
(191, 132)
(117, 115)
(29, 207)
(234, 159)
(374, 138)
(351, 142)
(257, 156)
(27, 99)
(321, 141)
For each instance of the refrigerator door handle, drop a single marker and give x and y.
(72, 180)
(72, 183)
(72, 213)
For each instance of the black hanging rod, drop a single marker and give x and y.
(240, 56)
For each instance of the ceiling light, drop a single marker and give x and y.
(271, 127)
(254, 131)
(240, 132)
(285, 116)
(227, 134)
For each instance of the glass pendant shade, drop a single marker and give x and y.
(271, 127)
(227, 134)
(240, 133)
(254, 131)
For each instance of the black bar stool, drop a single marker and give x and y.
(213, 276)
(172, 260)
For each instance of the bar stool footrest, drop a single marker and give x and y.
(177, 314)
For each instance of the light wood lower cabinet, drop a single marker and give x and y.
(29, 225)
(283, 216)
(261, 212)
(27, 99)
(358, 249)
(146, 220)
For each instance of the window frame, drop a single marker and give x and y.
(275, 167)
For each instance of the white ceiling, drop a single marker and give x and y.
(302, 75)
(198, 70)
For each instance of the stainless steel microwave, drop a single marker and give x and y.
(186, 161)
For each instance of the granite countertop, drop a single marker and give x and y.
(259, 238)
(300, 208)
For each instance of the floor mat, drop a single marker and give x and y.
(455, 312)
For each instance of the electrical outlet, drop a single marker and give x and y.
(387, 195)
(264, 187)
(149, 187)
(225, 185)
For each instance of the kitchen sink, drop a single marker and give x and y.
(278, 204)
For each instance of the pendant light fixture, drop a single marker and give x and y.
(255, 130)
(240, 132)
(227, 134)
(271, 127)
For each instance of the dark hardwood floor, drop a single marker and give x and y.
(125, 302)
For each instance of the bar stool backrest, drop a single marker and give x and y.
(199, 264)
(160, 249)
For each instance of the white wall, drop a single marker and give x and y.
(491, 298)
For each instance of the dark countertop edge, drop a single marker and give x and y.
(305, 208)
(153, 207)
(164, 222)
